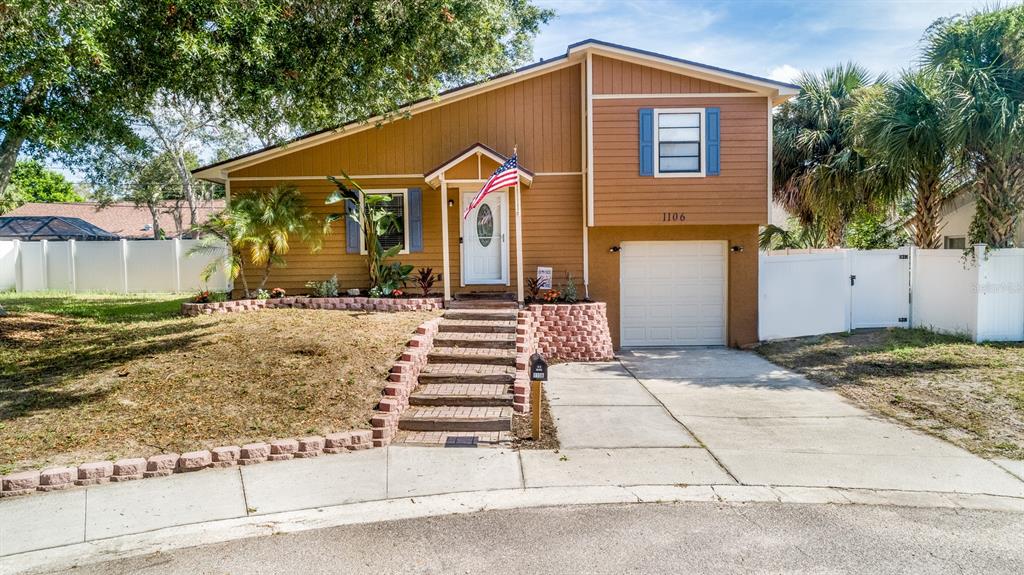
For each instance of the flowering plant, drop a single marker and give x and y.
(277, 293)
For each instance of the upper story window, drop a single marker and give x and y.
(397, 207)
(679, 142)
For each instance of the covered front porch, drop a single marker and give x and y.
(482, 250)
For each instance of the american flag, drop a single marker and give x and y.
(506, 175)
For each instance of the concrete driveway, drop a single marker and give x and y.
(756, 422)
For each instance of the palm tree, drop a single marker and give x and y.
(900, 128)
(817, 172)
(259, 225)
(980, 59)
(225, 228)
(273, 217)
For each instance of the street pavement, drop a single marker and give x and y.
(616, 539)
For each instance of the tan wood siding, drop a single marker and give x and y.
(614, 76)
(541, 115)
(738, 196)
(552, 236)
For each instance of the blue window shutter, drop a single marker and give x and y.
(713, 147)
(352, 230)
(415, 208)
(646, 141)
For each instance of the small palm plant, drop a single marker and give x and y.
(259, 227)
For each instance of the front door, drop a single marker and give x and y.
(484, 237)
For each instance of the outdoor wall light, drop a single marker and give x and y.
(451, 203)
(736, 249)
(614, 249)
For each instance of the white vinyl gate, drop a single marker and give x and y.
(879, 288)
(828, 291)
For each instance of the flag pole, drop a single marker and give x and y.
(519, 230)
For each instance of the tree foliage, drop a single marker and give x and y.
(74, 74)
(979, 58)
(37, 183)
(901, 129)
(818, 173)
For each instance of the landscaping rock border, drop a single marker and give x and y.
(402, 380)
(359, 303)
(164, 464)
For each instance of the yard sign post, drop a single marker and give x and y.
(538, 375)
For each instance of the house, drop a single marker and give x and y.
(644, 177)
(957, 215)
(122, 219)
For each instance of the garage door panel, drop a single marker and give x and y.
(673, 293)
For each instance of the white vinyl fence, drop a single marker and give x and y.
(827, 291)
(125, 266)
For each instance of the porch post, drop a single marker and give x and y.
(519, 242)
(444, 241)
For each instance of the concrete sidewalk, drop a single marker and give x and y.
(683, 425)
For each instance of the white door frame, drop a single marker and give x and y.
(505, 276)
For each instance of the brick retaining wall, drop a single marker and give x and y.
(164, 464)
(359, 303)
(571, 332)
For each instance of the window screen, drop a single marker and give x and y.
(396, 238)
(679, 142)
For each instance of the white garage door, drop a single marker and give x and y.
(673, 293)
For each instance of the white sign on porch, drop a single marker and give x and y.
(544, 276)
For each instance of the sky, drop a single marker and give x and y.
(775, 39)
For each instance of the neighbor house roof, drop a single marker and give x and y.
(123, 219)
(34, 228)
(575, 53)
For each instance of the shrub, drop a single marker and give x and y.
(569, 294)
(277, 293)
(207, 296)
(326, 288)
(262, 294)
(532, 289)
(425, 279)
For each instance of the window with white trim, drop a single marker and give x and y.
(679, 142)
(397, 206)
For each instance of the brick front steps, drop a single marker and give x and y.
(456, 418)
(455, 438)
(476, 340)
(465, 395)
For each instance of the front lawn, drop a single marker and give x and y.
(971, 395)
(100, 377)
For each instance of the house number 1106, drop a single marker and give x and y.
(673, 217)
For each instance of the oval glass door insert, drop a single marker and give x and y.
(485, 225)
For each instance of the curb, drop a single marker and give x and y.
(183, 536)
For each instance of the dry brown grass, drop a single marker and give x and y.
(76, 386)
(971, 395)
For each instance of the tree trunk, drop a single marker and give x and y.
(927, 213)
(1000, 200)
(187, 189)
(9, 149)
(836, 231)
(154, 212)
